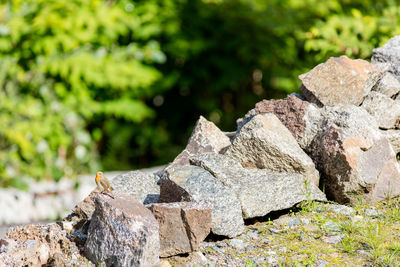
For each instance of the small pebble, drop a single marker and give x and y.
(237, 244)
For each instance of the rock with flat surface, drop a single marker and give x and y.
(259, 191)
(385, 110)
(357, 162)
(142, 185)
(206, 137)
(191, 183)
(389, 53)
(122, 232)
(183, 225)
(300, 117)
(387, 85)
(265, 143)
(339, 81)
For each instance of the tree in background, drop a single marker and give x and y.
(119, 84)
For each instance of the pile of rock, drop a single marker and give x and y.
(340, 135)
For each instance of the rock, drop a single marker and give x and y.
(331, 227)
(182, 225)
(191, 183)
(38, 245)
(372, 212)
(356, 161)
(387, 85)
(300, 117)
(259, 191)
(341, 209)
(265, 143)
(335, 239)
(122, 232)
(339, 81)
(394, 139)
(206, 137)
(142, 185)
(385, 110)
(237, 244)
(389, 53)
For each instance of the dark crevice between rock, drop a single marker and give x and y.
(273, 215)
(214, 238)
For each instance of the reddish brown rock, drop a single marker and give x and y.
(339, 81)
(206, 137)
(357, 162)
(183, 225)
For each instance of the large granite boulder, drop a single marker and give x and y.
(206, 137)
(182, 225)
(299, 116)
(385, 110)
(339, 81)
(191, 183)
(122, 232)
(265, 143)
(259, 191)
(357, 162)
(389, 53)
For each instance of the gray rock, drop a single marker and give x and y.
(265, 143)
(389, 53)
(339, 81)
(122, 232)
(237, 244)
(387, 85)
(206, 137)
(371, 212)
(357, 162)
(259, 191)
(385, 110)
(142, 185)
(294, 222)
(191, 183)
(394, 138)
(335, 239)
(341, 209)
(191, 223)
(300, 117)
(331, 226)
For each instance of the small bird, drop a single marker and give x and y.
(103, 184)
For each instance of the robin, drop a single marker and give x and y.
(102, 183)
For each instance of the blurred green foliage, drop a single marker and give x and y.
(89, 84)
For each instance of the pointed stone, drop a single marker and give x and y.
(300, 117)
(265, 143)
(389, 53)
(206, 137)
